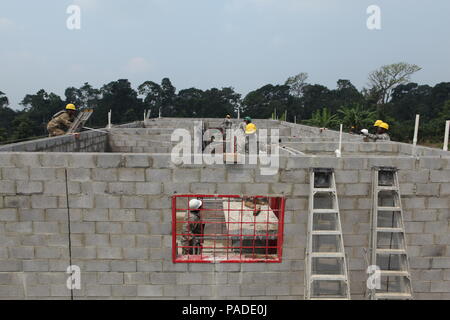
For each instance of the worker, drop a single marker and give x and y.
(376, 125)
(381, 134)
(193, 228)
(227, 123)
(62, 121)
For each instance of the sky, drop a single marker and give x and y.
(244, 44)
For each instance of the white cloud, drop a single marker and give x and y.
(138, 65)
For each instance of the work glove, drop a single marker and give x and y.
(365, 132)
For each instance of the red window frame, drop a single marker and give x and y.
(275, 205)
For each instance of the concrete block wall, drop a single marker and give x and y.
(120, 225)
(88, 141)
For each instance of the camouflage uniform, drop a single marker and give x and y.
(379, 137)
(192, 233)
(60, 123)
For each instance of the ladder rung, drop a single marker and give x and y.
(389, 209)
(328, 277)
(390, 251)
(327, 255)
(326, 233)
(394, 273)
(387, 188)
(325, 211)
(324, 190)
(390, 230)
(393, 295)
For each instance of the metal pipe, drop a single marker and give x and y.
(416, 133)
(447, 131)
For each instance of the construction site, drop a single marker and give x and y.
(370, 221)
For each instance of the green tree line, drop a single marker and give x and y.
(390, 95)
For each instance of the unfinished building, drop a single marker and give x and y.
(371, 224)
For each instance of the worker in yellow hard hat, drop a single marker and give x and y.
(62, 121)
(381, 134)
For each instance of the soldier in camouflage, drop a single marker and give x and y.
(61, 121)
(193, 227)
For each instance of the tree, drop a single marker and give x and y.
(4, 102)
(296, 84)
(323, 119)
(383, 81)
(355, 116)
(261, 103)
(119, 97)
(39, 109)
(152, 100)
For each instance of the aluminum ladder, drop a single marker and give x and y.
(80, 120)
(326, 273)
(388, 254)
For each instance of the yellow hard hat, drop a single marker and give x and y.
(384, 125)
(250, 128)
(377, 123)
(71, 106)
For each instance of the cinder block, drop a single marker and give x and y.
(440, 263)
(293, 176)
(346, 176)
(148, 188)
(176, 291)
(439, 203)
(146, 266)
(150, 290)
(158, 175)
(43, 202)
(121, 188)
(440, 176)
(15, 173)
(45, 227)
(429, 189)
(7, 187)
(135, 228)
(105, 174)
(124, 290)
(256, 188)
(10, 215)
(134, 202)
(127, 174)
(420, 239)
(107, 202)
(84, 253)
(81, 201)
(357, 189)
(355, 164)
(186, 175)
(136, 253)
(110, 278)
(137, 161)
(109, 253)
(253, 290)
(200, 291)
(440, 286)
(110, 161)
(21, 253)
(79, 174)
(229, 188)
(122, 215)
(82, 227)
(108, 227)
(436, 227)
(19, 227)
(203, 188)
(93, 290)
(239, 175)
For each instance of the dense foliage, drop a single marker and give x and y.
(390, 97)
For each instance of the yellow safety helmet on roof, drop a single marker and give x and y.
(384, 125)
(377, 123)
(250, 128)
(71, 106)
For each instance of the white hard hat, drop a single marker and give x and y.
(195, 204)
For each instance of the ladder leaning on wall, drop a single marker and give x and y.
(387, 240)
(326, 273)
